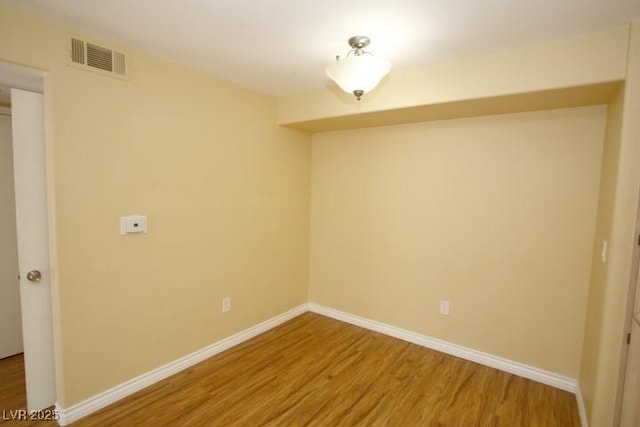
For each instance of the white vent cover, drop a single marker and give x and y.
(98, 58)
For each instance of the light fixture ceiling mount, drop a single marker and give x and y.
(359, 42)
(359, 71)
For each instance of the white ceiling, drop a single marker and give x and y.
(281, 47)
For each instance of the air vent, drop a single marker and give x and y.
(98, 58)
(77, 51)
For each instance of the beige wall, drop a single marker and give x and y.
(495, 214)
(226, 192)
(606, 315)
(599, 269)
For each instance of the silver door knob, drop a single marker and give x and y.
(34, 276)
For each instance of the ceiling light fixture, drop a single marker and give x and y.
(359, 71)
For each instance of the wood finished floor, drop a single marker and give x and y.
(316, 371)
(13, 394)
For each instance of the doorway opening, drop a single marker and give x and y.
(12, 379)
(32, 371)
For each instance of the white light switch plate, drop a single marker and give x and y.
(444, 307)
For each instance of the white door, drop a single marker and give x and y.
(27, 113)
(10, 322)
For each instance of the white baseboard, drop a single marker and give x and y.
(99, 401)
(582, 410)
(525, 371)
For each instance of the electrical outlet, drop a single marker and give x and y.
(226, 304)
(444, 307)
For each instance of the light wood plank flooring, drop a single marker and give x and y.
(316, 371)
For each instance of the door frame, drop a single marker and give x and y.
(33, 80)
(632, 291)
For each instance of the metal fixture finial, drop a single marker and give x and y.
(359, 42)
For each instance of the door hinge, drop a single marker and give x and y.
(629, 338)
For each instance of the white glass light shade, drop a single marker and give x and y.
(358, 72)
